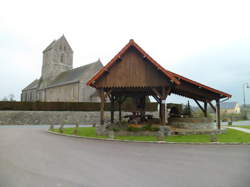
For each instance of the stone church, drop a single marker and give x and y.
(59, 81)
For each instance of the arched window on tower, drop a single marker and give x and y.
(62, 58)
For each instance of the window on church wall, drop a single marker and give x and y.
(62, 58)
(28, 96)
(24, 96)
(40, 96)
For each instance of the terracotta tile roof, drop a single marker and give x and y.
(175, 78)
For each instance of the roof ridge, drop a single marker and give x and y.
(132, 43)
(84, 66)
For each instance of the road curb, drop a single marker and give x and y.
(155, 142)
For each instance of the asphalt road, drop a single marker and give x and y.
(30, 157)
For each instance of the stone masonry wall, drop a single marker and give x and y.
(65, 93)
(192, 123)
(54, 117)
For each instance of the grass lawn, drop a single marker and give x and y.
(232, 136)
(82, 131)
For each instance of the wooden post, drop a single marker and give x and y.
(112, 109)
(205, 109)
(218, 113)
(120, 108)
(102, 106)
(163, 106)
(160, 110)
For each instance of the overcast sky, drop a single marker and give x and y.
(207, 41)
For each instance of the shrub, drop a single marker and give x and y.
(147, 127)
(116, 129)
(134, 129)
(155, 128)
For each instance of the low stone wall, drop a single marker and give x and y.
(102, 130)
(55, 117)
(192, 123)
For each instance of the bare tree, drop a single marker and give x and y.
(11, 97)
(5, 99)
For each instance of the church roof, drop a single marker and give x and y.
(32, 85)
(83, 73)
(75, 75)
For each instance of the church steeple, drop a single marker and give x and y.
(57, 58)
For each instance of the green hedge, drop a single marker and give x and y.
(68, 106)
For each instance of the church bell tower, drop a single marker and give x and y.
(57, 58)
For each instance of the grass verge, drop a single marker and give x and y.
(242, 126)
(231, 136)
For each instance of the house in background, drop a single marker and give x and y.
(230, 108)
(59, 81)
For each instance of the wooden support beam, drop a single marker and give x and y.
(102, 106)
(212, 106)
(199, 105)
(156, 98)
(108, 94)
(116, 98)
(168, 91)
(160, 111)
(205, 109)
(120, 108)
(156, 92)
(163, 106)
(218, 113)
(112, 108)
(123, 99)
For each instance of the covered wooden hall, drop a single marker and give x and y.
(133, 73)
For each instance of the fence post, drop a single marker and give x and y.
(213, 137)
(111, 134)
(51, 128)
(61, 128)
(76, 129)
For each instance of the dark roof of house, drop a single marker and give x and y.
(32, 85)
(228, 105)
(75, 75)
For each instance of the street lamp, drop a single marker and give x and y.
(245, 85)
